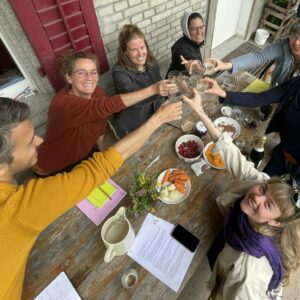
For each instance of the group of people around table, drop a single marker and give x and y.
(262, 228)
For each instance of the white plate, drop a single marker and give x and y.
(229, 121)
(188, 187)
(206, 159)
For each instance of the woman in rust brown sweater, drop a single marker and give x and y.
(77, 115)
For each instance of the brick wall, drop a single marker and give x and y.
(158, 19)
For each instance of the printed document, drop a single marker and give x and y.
(159, 253)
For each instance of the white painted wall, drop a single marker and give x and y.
(244, 18)
(231, 19)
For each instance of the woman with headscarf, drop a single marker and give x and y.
(188, 46)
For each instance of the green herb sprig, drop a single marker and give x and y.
(142, 192)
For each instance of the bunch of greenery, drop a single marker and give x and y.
(142, 192)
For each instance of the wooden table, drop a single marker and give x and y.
(73, 243)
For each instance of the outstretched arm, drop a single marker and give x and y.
(134, 141)
(163, 88)
(192, 64)
(196, 104)
(219, 64)
(263, 56)
(235, 163)
(274, 95)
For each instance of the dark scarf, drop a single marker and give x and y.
(241, 237)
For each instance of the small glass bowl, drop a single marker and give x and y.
(129, 278)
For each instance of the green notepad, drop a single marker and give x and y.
(257, 86)
(100, 194)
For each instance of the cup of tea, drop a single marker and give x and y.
(200, 129)
(117, 235)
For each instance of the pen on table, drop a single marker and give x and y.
(110, 198)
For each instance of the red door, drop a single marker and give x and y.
(54, 26)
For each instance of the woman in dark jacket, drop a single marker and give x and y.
(188, 46)
(136, 69)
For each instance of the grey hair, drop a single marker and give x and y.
(12, 112)
(295, 29)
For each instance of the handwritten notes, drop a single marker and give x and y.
(158, 252)
(98, 214)
(60, 288)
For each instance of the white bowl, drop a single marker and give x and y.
(207, 160)
(185, 138)
(228, 121)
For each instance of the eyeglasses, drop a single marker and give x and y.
(84, 74)
(194, 28)
(288, 179)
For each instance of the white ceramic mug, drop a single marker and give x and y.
(226, 111)
(117, 235)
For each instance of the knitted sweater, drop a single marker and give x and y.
(74, 125)
(28, 209)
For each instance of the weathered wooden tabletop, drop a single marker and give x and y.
(73, 243)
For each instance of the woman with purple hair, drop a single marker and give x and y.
(262, 225)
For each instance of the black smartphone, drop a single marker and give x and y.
(185, 237)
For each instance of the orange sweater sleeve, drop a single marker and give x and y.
(26, 210)
(40, 201)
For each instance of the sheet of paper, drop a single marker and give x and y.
(98, 214)
(60, 288)
(159, 253)
(257, 86)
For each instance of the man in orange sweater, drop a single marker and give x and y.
(27, 209)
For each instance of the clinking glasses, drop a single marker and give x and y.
(288, 179)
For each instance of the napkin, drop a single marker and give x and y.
(197, 167)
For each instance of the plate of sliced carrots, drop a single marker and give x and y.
(173, 185)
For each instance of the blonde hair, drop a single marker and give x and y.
(287, 237)
(127, 33)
